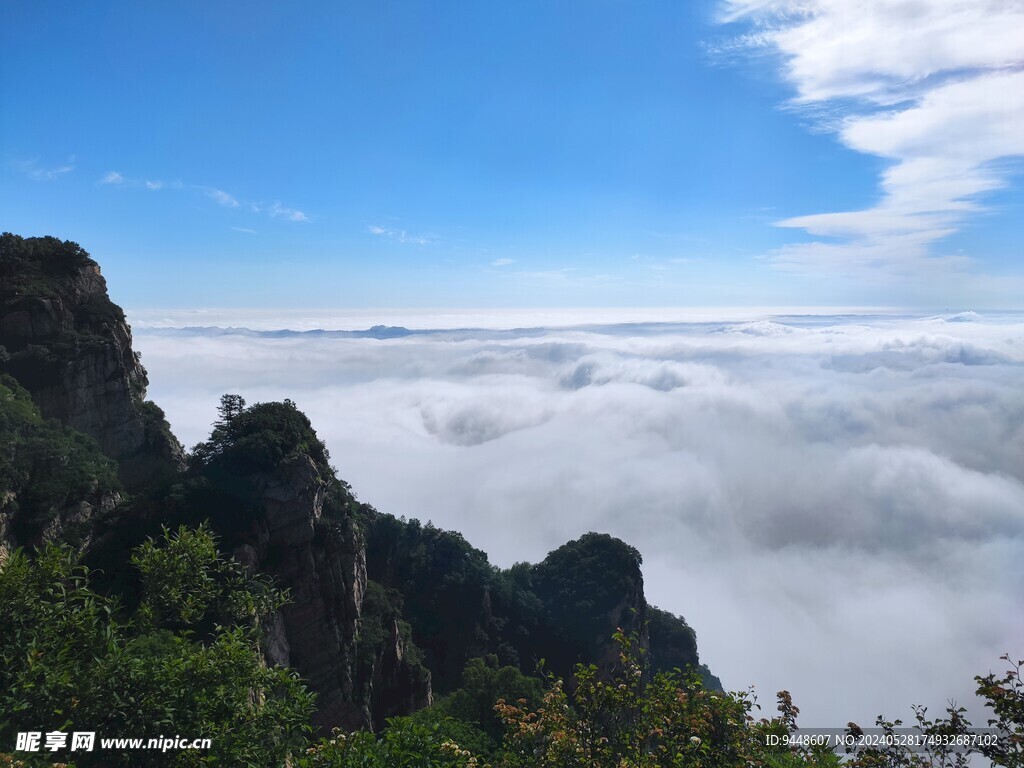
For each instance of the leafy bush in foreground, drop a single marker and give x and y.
(187, 663)
(672, 721)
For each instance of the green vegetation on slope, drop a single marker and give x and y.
(45, 467)
(187, 661)
(561, 610)
(260, 438)
(670, 721)
(40, 267)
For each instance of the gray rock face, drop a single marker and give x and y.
(323, 567)
(629, 616)
(85, 374)
(71, 523)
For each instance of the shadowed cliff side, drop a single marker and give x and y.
(66, 343)
(264, 481)
(563, 610)
(54, 481)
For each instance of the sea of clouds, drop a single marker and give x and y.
(835, 502)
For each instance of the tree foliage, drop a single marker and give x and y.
(38, 267)
(74, 660)
(260, 438)
(670, 721)
(404, 744)
(45, 466)
(484, 683)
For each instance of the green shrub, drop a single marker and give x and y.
(73, 660)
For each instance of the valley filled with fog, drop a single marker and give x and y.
(835, 502)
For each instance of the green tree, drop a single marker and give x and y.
(47, 468)
(1004, 695)
(230, 407)
(671, 721)
(483, 684)
(404, 744)
(73, 660)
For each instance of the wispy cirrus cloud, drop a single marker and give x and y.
(37, 172)
(220, 196)
(502, 262)
(278, 211)
(937, 89)
(118, 179)
(400, 235)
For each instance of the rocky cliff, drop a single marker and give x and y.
(381, 611)
(563, 610)
(591, 588)
(264, 481)
(64, 340)
(322, 630)
(54, 481)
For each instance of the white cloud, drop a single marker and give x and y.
(934, 87)
(34, 171)
(502, 262)
(400, 235)
(278, 211)
(825, 498)
(221, 197)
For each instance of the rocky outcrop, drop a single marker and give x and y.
(628, 616)
(68, 345)
(396, 687)
(320, 630)
(54, 481)
(69, 520)
(592, 588)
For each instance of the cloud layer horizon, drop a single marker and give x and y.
(835, 503)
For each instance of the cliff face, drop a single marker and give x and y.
(68, 345)
(278, 506)
(323, 567)
(54, 481)
(69, 520)
(564, 610)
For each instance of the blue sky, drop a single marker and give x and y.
(571, 153)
